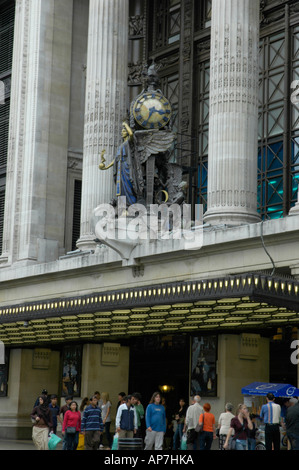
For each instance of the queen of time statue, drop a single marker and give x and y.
(141, 168)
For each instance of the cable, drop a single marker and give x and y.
(264, 246)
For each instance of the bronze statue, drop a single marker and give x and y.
(141, 166)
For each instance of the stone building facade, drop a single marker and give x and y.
(130, 318)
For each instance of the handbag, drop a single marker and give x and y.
(71, 430)
(199, 426)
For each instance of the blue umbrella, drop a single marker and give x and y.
(263, 388)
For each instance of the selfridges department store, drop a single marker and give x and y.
(208, 94)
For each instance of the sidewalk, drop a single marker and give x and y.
(7, 444)
(10, 444)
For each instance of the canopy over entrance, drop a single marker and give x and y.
(241, 302)
(263, 388)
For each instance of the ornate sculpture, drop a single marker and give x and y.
(142, 171)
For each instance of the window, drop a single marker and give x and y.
(76, 213)
(203, 15)
(278, 146)
(271, 126)
(203, 92)
(7, 12)
(295, 118)
(278, 154)
(165, 25)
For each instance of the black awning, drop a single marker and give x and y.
(249, 301)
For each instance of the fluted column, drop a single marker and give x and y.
(233, 131)
(105, 107)
(38, 132)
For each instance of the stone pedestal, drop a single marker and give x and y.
(232, 164)
(105, 107)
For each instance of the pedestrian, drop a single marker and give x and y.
(71, 426)
(155, 418)
(68, 399)
(98, 395)
(44, 393)
(271, 416)
(84, 404)
(192, 418)
(140, 414)
(106, 417)
(208, 433)
(224, 423)
(126, 419)
(252, 433)
(55, 412)
(240, 425)
(121, 397)
(65, 407)
(42, 423)
(292, 425)
(92, 425)
(179, 417)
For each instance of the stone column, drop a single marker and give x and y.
(38, 132)
(105, 106)
(233, 131)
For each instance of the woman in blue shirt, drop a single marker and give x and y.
(155, 419)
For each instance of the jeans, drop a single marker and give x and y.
(294, 440)
(108, 434)
(251, 443)
(178, 436)
(205, 440)
(71, 441)
(241, 444)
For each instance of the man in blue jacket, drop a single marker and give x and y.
(126, 423)
(155, 419)
(92, 425)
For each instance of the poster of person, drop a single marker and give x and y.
(203, 366)
(71, 372)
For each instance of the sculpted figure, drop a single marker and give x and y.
(141, 168)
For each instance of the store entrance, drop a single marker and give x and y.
(160, 363)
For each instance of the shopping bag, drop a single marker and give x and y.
(53, 441)
(115, 442)
(80, 445)
(184, 442)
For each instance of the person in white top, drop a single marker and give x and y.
(224, 424)
(192, 417)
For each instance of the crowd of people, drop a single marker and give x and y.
(193, 427)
